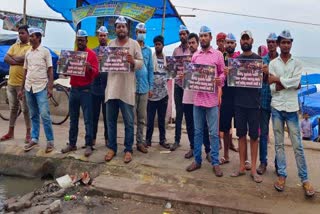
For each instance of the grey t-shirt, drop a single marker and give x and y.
(160, 89)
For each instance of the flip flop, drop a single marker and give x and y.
(238, 174)
(256, 178)
(223, 161)
(6, 137)
(247, 165)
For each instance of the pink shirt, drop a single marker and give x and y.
(187, 97)
(210, 57)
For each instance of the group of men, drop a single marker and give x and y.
(145, 92)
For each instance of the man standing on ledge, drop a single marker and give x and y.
(284, 79)
(37, 85)
(80, 96)
(120, 92)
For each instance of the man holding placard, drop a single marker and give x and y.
(206, 108)
(98, 87)
(247, 104)
(144, 85)
(80, 95)
(181, 50)
(121, 88)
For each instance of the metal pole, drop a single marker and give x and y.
(163, 16)
(24, 12)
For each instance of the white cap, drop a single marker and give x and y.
(204, 29)
(102, 29)
(141, 26)
(286, 34)
(82, 33)
(121, 20)
(246, 32)
(32, 30)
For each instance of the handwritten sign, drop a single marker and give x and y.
(199, 77)
(114, 60)
(245, 73)
(72, 63)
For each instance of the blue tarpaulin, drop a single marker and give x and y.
(310, 104)
(310, 79)
(153, 25)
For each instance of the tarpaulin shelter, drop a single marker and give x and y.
(153, 25)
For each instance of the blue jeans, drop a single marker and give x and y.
(264, 132)
(39, 106)
(127, 112)
(188, 115)
(292, 121)
(204, 115)
(80, 97)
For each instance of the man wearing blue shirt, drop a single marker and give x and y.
(144, 80)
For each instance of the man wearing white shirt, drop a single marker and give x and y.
(284, 78)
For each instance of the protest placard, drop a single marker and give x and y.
(199, 77)
(114, 59)
(175, 66)
(72, 63)
(245, 73)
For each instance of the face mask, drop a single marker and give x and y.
(141, 36)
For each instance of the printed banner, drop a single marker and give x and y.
(199, 77)
(12, 22)
(72, 63)
(138, 12)
(114, 59)
(175, 65)
(245, 73)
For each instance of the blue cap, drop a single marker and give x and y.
(286, 34)
(231, 37)
(121, 20)
(32, 30)
(82, 33)
(182, 28)
(272, 37)
(141, 26)
(102, 29)
(204, 29)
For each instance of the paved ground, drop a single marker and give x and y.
(161, 175)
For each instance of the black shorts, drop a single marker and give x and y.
(247, 118)
(226, 115)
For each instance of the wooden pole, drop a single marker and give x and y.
(24, 12)
(163, 16)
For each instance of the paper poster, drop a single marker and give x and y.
(72, 63)
(114, 59)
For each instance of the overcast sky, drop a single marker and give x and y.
(306, 37)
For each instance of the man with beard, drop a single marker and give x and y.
(98, 87)
(120, 92)
(193, 42)
(144, 85)
(265, 110)
(37, 85)
(284, 78)
(15, 58)
(183, 49)
(81, 97)
(227, 99)
(247, 112)
(221, 41)
(206, 108)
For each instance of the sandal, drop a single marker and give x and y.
(280, 184)
(256, 178)
(223, 161)
(6, 137)
(247, 165)
(238, 174)
(308, 189)
(49, 148)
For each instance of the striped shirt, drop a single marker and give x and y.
(210, 57)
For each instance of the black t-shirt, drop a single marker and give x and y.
(247, 97)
